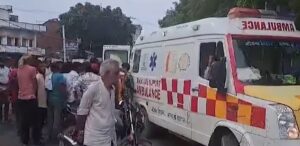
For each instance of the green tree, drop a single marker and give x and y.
(295, 6)
(97, 26)
(249, 3)
(190, 10)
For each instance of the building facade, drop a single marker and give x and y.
(18, 37)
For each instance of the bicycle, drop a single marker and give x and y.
(132, 117)
(133, 125)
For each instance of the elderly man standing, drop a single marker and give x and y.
(96, 119)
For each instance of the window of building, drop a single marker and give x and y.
(24, 43)
(30, 43)
(0, 40)
(209, 51)
(136, 61)
(16, 42)
(9, 41)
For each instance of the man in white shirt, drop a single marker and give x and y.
(48, 75)
(96, 119)
(85, 80)
(71, 77)
(4, 71)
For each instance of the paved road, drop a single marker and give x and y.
(8, 137)
(169, 140)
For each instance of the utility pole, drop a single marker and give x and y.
(64, 43)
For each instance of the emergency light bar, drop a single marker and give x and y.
(257, 13)
(243, 12)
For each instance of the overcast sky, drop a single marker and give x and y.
(146, 12)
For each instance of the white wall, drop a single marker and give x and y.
(4, 14)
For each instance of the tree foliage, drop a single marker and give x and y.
(190, 10)
(97, 26)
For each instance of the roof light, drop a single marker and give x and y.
(258, 13)
(243, 12)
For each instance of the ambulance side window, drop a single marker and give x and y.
(208, 52)
(136, 61)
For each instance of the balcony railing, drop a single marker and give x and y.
(22, 25)
(22, 50)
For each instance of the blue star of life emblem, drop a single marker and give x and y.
(153, 59)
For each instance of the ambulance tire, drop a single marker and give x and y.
(228, 139)
(150, 129)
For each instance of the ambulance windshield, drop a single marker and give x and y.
(267, 61)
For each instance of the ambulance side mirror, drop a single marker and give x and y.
(218, 75)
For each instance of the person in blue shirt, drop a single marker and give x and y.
(56, 101)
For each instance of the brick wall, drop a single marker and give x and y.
(51, 40)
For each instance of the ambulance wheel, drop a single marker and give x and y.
(228, 139)
(150, 129)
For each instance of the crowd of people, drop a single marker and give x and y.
(38, 91)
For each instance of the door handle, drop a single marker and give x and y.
(195, 89)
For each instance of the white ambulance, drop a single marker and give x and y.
(121, 53)
(223, 81)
